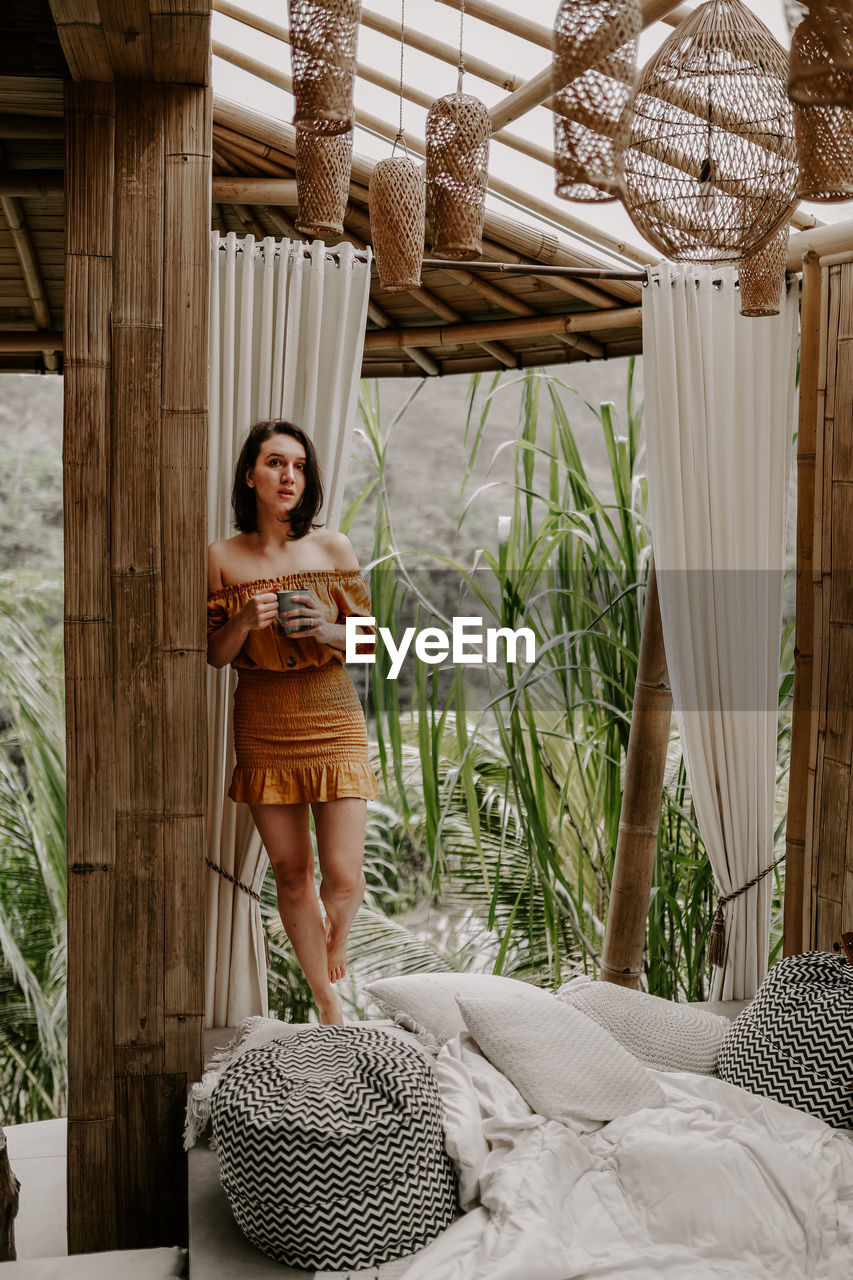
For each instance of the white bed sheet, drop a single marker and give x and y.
(716, 1184)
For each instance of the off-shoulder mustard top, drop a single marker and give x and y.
(340, 593)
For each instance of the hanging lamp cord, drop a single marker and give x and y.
(399, 137)
(461, 62)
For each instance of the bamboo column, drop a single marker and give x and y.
(801, 724)
(828, 906)
(9, 1189)
(639, 821)
(135, 459)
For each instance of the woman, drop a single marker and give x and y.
(299, 732)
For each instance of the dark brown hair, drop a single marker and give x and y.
(244, 500)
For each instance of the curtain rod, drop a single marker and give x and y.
(330, 253)
(574, 273)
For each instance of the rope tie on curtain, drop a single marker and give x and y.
(239, 883)
(717, 936)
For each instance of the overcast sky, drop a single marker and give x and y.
(435, 78)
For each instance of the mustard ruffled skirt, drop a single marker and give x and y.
(299, 736)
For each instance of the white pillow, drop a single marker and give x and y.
(662, 1034)
(425, 1003)
(563, 1064)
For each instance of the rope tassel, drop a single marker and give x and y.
(717, 934)
(717, 938)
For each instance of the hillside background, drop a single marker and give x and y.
(427, 460)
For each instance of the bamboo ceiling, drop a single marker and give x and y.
(468, 320)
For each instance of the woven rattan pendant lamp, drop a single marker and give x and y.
(323, 40)
(396, 196)
(710, 170)
(594, 74)
(824, 152)
(821, 59)
(762, 276)
(458, 129)
(323, 167)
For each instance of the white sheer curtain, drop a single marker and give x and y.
(286, 340)
(719, 416)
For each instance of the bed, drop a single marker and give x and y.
(707, 1181)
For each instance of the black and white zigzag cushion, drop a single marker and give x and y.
(331, 1148)
(794, 1042)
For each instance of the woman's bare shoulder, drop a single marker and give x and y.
(337, 547)
(218, 555)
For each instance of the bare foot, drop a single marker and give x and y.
(336, 951)
(331, 1011)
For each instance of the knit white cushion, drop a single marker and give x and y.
(425, 1003)
(662, 1034)
(563, 1064)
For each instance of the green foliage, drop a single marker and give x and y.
(519, 790)
(33, 1071)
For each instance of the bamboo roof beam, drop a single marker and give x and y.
(532, 357)
(22, 342)
(833, 237)
(150, 40)
(25, 253)
(253, 190)
(519, 328)
(372, 76)
(36, 128)
(670, 11)
(567, 221)
(42, 184)
(374, 312)
(26, 256)
(387, 27)
(504, 239)
(508, 301)
(540, 87)
(425, 296)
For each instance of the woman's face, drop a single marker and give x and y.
(278, 476)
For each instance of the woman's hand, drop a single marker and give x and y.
(259, 611)
(312, 621)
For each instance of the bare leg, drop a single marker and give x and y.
(284, 831)
(340, 826)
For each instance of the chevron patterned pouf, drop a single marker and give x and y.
(331, 1148)
(794, 1042)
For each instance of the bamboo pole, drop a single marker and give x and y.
(250, 190)
(532, 357)
(389, 27)
(25, 342)
(9, 1199)
(539, 89)
(831, 238)
(639, 821)
(89, 677)
(32, 184)
(511, 21)
(829, 846)
(801, 725)
(183, 524)
(590, 348)
(487, 330)
(29, 128)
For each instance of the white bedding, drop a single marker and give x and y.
(716, 1183)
